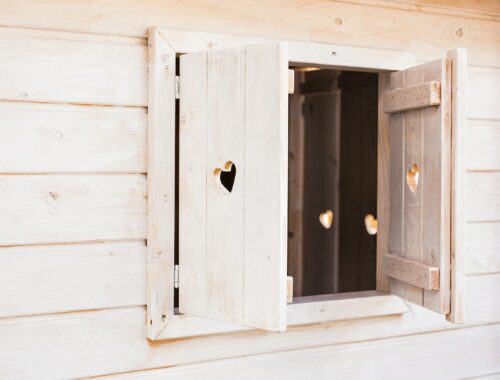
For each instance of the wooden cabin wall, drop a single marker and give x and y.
(73, 193)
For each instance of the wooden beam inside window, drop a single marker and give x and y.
(420, 96)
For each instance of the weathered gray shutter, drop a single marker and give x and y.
(420, 102)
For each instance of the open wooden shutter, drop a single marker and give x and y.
(423, 115)
(232, 235)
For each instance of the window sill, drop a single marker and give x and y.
(303, 311)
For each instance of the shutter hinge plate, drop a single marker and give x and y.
(176, 276)
(177, 87)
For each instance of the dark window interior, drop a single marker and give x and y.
(332, 181)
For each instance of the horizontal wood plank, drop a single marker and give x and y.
(490, 376)
(91, 276)
(483, 196)
(113, 341)
(58, 278)
(364, 59)
(483, 88)
(489, 9)
(337, 22)
(482, 248)
(387, 359)
(483, 145)
(411, 272)
(343, 309)
(47, 209)
(58, 70)
(49, 138)
(420, 96)
(481, 298)
(347, 306)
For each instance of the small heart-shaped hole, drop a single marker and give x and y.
(371, 224)
(326, 219)
(412, 178)
(226, 175)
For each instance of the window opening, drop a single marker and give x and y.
(333, 121)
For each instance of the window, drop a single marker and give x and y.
(233, 238)
(332, 185)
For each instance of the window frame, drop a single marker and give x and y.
(163, 46)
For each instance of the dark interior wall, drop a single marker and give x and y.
(358, 180)
(296, 185)
(332, 166)
(320, 180)
(313, 181)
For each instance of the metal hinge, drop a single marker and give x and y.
(177, 87)
(176, 276)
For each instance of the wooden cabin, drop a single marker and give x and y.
(299, 189)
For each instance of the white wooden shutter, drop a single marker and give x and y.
(232, 244)
(420, 103)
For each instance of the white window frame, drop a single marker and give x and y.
(163, 322)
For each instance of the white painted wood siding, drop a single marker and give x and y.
(110, 39)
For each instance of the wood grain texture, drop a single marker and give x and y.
(114, 341)
(59, 278)
(242, 122)
(212, 101)
(482, 244)
(413, 204)
(45, 346)
(384, 184)
(483, 196)
(481, 295)
(111, 274)
(57, 70)
(43, 209)
(396, 126)
(422, 137)
(483, 145)
(437, 163)
(483, 85)
(484, 9)
(366, 59)
(266, 185)
(399, 27)
(193, 171)
(160, 182)
(296, 147)
(314, 310)
(225, 224)
(388, 358)
(422, 95)
(300, 53)
(411, 272)
(458, 60)
(47, 138)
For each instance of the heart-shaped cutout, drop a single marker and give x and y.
(326, 219)
(371, 224)
(412, 178)
(226, 175)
